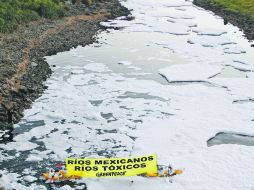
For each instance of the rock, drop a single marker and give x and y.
(32, 89)
(33, 64)
(3, 118)
(23, 89)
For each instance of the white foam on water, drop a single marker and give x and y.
(34, 158)
(190, 72)
(242, 67)
(210, 41)
(21, 146)
(10, 181)
(97, 67)
(94, 107)
(186, 22)
(135, 68)
(30, 178)
(209, 31)
(171, 28)
(234, 50)
(171, 13)
(126, 63)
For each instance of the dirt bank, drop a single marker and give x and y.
(22, 66)
(243, 22)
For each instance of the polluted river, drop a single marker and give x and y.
(174, 81)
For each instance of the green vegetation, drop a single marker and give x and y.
(15, 12)
(245, 7)
(88, 2)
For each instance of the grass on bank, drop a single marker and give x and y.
(15, 12)
(245, 7)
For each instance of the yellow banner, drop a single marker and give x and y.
(111, 167)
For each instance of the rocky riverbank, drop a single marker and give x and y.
(22, 65)
(242, 21)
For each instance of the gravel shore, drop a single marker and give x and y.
(22, 65)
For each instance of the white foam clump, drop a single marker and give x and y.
(186, 22)
(10, 181)
(250, 75)
(76, 71)
(240, 88)
(30, 178)
(151, 23)
(190, 72)
(243, 60)
(19, 146)
(234, 50)
(209, 31)
(161, 3)
(126, 63)
(241, 67)
(210, 41)
(34, 158)
(135, 68)
(139, 73)
(171, 13)
(171, 28)
(162, 26)
(97, 67)
(65, 187)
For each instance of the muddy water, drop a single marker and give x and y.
(99, 95)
